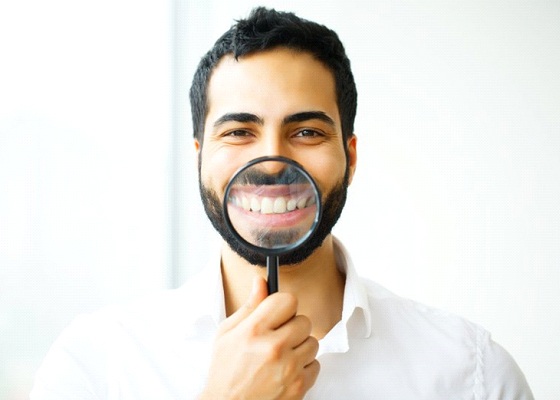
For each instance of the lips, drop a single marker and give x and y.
(272, 204)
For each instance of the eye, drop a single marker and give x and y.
(237, 133)
(308, 136)
(237, 136)
(309, 133)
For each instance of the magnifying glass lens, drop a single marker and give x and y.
(272, 204)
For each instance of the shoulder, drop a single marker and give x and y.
(100, 332)
(389, 308)
(449, 340)
(114, 344)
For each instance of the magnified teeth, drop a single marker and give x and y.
(301, 203)
(279, 205)
(245, 204)
(255, 205)
(269, 205)
(291, 204)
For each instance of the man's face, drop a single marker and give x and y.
(277, 102)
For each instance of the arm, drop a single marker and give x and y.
(501, 377)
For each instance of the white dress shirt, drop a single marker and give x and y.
(385, 347)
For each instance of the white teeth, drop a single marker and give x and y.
(255, 205)
(245, 204)
(268, 205)
(301, 203)
(279, 205)
(291, 205)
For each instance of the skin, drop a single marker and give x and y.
(257, 107)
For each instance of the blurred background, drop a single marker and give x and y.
(456, 201)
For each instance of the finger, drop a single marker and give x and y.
(311, 372)
(305, 380)
(300, 369)
(259, 292)
(294, 332)
(307, 351)
(274, 311)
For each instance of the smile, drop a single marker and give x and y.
(272, 205)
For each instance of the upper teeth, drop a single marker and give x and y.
(272, 205)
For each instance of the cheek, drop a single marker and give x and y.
(216, 169)
(328, 171)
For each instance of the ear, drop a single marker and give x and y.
(197, 148)
(352, 157)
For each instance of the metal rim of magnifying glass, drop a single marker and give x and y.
(285, 249)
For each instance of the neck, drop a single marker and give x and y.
(316, 282)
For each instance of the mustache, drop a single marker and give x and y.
(286, 176)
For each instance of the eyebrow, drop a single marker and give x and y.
(239, 117)
(307, 116)
(243, 117)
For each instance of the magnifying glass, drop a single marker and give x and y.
(273, 206)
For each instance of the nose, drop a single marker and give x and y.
(274, 144)
(273, 167)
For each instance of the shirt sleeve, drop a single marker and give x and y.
(500, 374)
(73, 369)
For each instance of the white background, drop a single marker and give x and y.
(456, 201)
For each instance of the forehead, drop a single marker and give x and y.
(270, 84)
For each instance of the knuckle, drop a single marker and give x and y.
(273, 351)
(252, 331)
(314, 343)
(305, 323)
(300, 385)
(298, 388)
(290, 370)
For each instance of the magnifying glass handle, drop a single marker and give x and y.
(272, 270)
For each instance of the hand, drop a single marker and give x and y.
(263, 351)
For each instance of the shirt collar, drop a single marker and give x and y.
(356, 314)
(355, 293)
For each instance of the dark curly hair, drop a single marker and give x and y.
(265, 29)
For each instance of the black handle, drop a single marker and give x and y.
(272, 270)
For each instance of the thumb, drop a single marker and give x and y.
(259, 292)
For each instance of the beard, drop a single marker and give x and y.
(332, 209)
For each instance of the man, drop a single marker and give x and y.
(275, 84)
